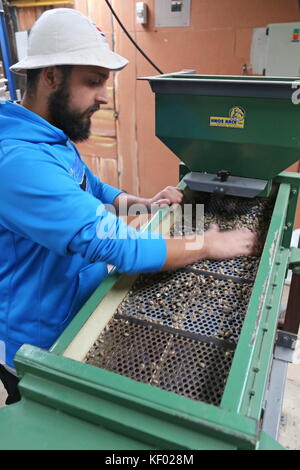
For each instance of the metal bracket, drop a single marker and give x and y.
(294, 260)
(286, 340)
(233, 185)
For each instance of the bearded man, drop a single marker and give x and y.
(56, 236)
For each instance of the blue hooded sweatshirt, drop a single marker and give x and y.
(56, 237)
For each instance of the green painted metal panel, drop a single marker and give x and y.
(247, 125)
(253, 399)
(29, 425)
(268, 443)
(288, 177)
(294, 180)
(269, 142)
(241, 381)
(294, 260)
(141, 412)
(245, 78)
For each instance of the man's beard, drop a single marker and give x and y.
(76, 125)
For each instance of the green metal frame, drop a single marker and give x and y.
(149, 417)
(249, 372)
(99, 409)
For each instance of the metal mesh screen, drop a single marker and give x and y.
(184, 300)
(242, 267)
(171, 362)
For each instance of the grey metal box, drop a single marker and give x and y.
(172, 13)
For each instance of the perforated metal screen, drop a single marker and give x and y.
(187, 301)
(169, 361)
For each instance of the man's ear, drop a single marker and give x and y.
(51, 77)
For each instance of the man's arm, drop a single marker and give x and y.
(212, 245)
(187, 250)
(42, 202)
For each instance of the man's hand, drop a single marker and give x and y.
(216, 245)
(229, 244)
(169, 195)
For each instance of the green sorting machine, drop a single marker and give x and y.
(211, 373)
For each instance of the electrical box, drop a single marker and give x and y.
(141, 10)
(258, 51)
(170, 13)
(275, 50)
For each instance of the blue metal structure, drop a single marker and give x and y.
(6, 55)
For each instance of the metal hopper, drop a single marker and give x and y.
(233, 133)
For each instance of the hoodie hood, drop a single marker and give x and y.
(20, 124)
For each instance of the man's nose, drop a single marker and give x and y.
(101, 96)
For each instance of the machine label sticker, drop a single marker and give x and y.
(235, 120)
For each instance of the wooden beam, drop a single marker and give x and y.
(41, 3)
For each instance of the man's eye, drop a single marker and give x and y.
(92, 83)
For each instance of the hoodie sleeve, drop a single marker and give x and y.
(106, 193)
(42, 202)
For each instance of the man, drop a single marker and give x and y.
(56, 238)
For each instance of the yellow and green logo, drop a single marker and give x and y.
(235, 120)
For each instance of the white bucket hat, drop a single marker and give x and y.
(64, 36)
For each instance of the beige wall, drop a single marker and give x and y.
(125, 151)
